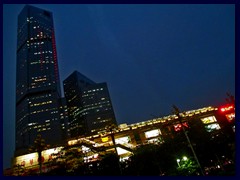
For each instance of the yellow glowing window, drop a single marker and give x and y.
(152, 133)
(104, 139)
(208, 120)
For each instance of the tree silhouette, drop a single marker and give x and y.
(38, 146)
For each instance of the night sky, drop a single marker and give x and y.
(151, 56)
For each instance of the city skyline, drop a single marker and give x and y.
(141, 52)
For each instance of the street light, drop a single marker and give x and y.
(185, 158)
(178, 160)
(177, 112)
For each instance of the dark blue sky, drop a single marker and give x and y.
(151, 56)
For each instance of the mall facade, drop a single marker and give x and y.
(124, 138)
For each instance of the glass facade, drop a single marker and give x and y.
(89, 105)
(37, 81)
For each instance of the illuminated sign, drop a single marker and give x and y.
(230, 116)
(31, 159)
(27, 160)
(104, 139)
(178, 127)
(208, 120)
(227, 108)
(152, 133)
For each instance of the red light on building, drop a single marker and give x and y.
(178, 127)
(222, 109)
(226, 108)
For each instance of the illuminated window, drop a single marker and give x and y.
(121, 151)
(85, 149)
(212, 127)
(155, 141)
(152, 133)
(208, 120)
(123, 140)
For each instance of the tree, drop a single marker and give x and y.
(38, 146)
(144, 161)
(18, 170)
(68, 160)
(187, 167)
(109, 165)
(230, 98)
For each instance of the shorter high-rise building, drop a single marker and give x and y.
(89, 105)
(63, 118)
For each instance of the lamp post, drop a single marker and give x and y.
(177, 112)
(178, 161)
(110, 129)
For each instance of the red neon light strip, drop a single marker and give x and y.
(54, 56)
(223, 109)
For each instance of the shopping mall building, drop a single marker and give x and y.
(125, 138)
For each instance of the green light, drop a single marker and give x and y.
(185, 158)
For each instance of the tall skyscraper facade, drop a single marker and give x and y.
(89, 105)
(37, 79)
(64, 119)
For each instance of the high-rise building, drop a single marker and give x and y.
(89, 105)
(64, 118)
(37, 80)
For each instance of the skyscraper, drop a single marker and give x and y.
(37, 82)
(89, 105)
